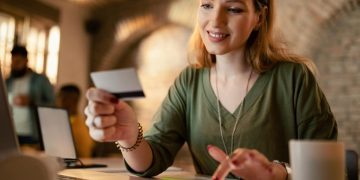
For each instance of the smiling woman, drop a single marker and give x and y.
(237, 106)
(226, 26)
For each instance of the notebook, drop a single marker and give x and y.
(57, 138)
(8, 137)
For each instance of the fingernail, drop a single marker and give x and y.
(114, 100)
(209, 147)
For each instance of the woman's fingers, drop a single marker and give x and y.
(216, 153)
(235, 161)
(240, 156)
(102, 122)
(256, 156)
(250, 164)
(245, 163)
(108, 118)
(100, 96)
(220, 156)
(95, 108)
(223, 170)
(102, 135)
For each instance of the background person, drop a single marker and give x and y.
(68, 98)
(27, 89)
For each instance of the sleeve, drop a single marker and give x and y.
(168, 133)
(314, 117)
(47, 96)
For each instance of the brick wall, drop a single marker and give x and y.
(299, 20)
(329, 33)
(337, 54)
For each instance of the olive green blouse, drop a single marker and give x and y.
(284, 103)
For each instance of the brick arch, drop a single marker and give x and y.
(337, 55)
(115, 56)
(120, 53)
(348, 7)
(300, 21)
(169, 12)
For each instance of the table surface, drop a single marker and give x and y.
(116, 170)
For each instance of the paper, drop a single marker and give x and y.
(122, 83)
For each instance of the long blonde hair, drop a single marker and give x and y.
(262, 51)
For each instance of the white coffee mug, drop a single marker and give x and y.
(317, 160)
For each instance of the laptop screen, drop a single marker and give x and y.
(8, 137)
(56, 132)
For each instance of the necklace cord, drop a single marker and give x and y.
(238, 115)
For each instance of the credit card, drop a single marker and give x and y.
(122, 83)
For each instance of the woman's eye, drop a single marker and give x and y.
(206, 6)
(235, 10)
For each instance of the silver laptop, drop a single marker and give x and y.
(57, 138)
(8, 138)
(58, 141)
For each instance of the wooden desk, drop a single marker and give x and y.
(116, 170)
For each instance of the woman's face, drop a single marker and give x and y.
(225, 25)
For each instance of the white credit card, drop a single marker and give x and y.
(122, 83)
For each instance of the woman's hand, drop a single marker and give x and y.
(109, 119)
(247, 164)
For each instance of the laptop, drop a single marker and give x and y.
(58, 141)
(57, 138)
(8, 138)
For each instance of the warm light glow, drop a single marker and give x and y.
(36, 43)
(53, 54)
(40, 54)
(31, 47)
(128, 27)
(7, 33)
(176, 12)
(160, 58)
(3, 30)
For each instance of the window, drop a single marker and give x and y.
(41, 40)
(36, 49)
(7, 36)
(53, 54)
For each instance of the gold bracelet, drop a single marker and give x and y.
(138, 141)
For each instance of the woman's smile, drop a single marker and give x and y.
(217, 36)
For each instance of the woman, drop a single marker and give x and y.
(237, 107)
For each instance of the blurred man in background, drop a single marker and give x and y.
(26, 90)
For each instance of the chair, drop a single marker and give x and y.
(352, 167)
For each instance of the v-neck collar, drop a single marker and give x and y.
(255, 92)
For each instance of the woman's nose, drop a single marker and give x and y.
(218, 18)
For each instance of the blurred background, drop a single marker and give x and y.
(68, 39)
